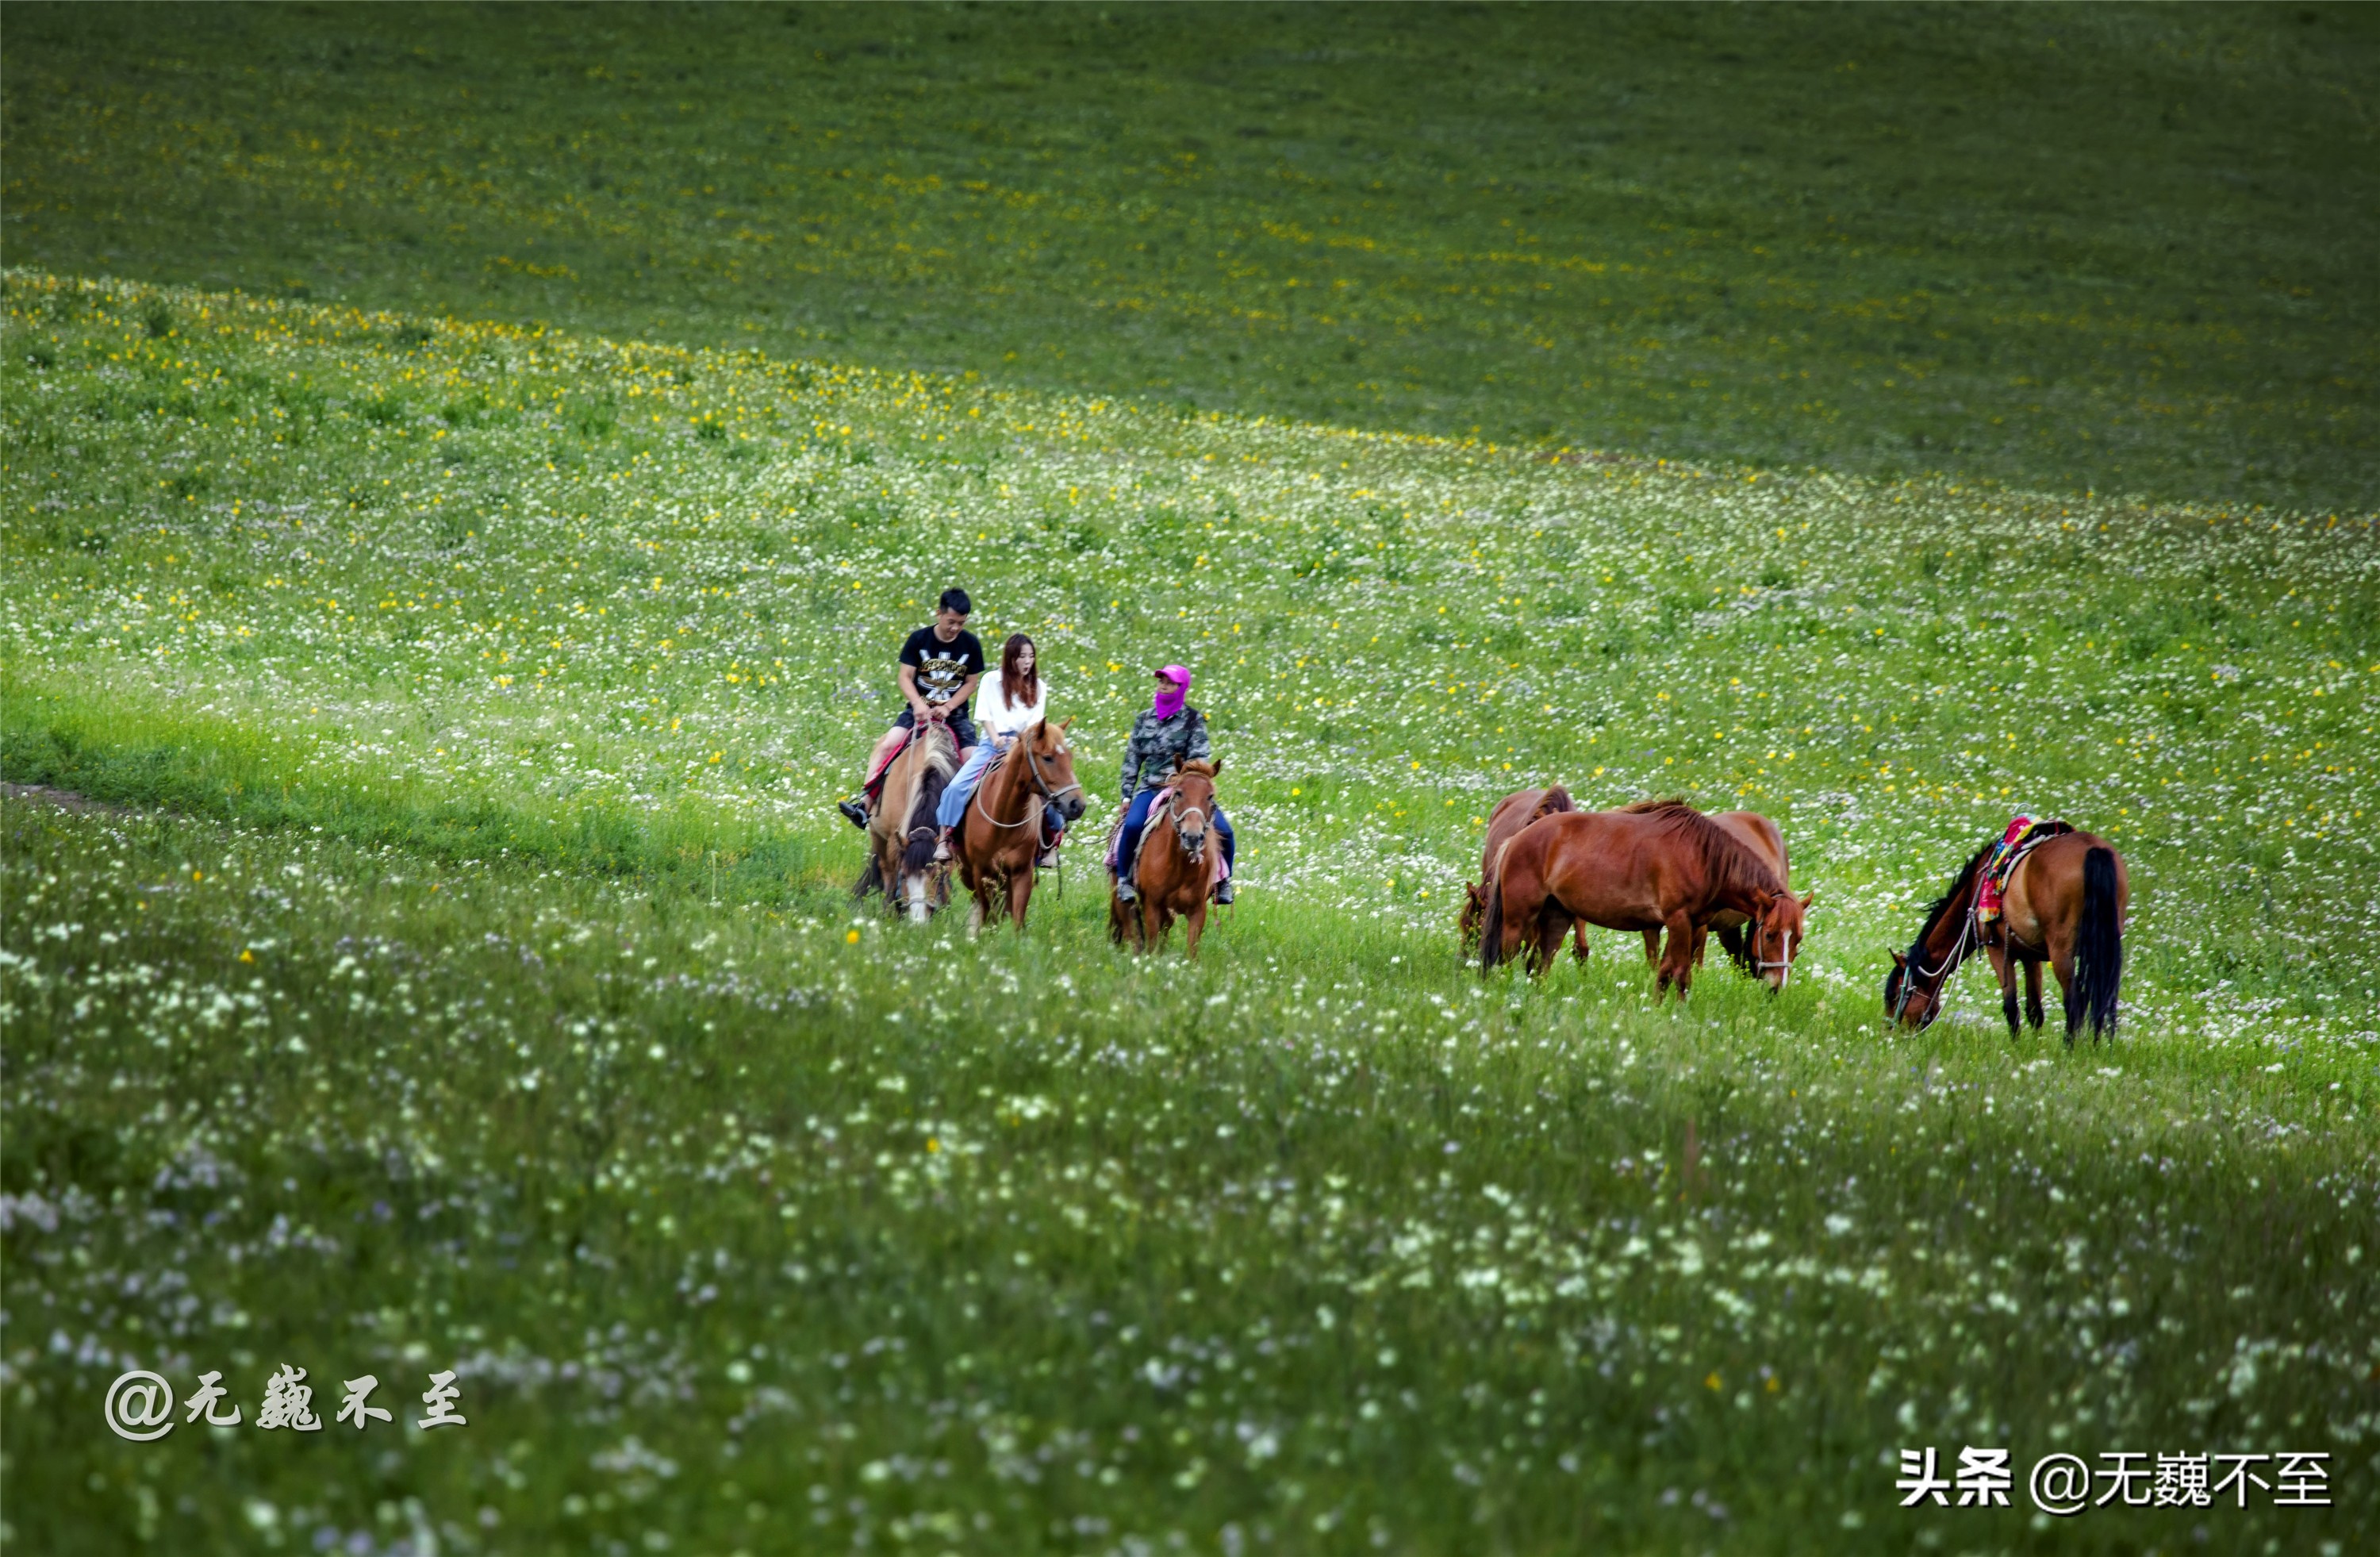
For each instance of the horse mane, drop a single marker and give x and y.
(1200, 767)
(1557, 799)
(1960, 885)
(1722, 853)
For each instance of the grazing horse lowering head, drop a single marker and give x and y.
(1776, 938)
(1908, 997)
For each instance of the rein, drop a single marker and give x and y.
(1040, 787)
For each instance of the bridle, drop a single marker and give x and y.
(1913, 969)
(1762, 964)
(1176, 814)
(1040, 787)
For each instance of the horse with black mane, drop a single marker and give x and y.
(901, 831)
(1655, 865)
(2064, 903)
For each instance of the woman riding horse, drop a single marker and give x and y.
(1013, 701)
(1168, 733)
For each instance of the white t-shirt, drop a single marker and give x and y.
(994, 714)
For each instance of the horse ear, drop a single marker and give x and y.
(1807, 896)
(1063, 724)
(1217, 763)
(1898, 960)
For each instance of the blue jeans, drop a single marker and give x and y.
(1135, 817)
(952, 809)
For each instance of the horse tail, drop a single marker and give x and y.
(871, 879)
(2098, 944)
(1491, 922)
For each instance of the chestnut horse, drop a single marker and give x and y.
(999, 837)
(2065, 905)
(901, 835)
(1760, 836)
(1514, 813)
(1656, 865)
(1174, 872)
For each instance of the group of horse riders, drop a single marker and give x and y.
(941, 678)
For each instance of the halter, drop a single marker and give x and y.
(1040, 787)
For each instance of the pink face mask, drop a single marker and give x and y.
(1169, 703)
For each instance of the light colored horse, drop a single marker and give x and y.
(901, 835)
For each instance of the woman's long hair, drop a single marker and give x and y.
(1019, 688)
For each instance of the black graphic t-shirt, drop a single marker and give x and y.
(942, 668)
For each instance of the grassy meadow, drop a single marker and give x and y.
(485, 990)
(2085, 247)
(464, 474)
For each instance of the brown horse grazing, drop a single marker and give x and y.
(1659, 864)
(901, 835)
(1760, 836)
(999, 837)
(1174, 872)
(2065, 905)
(1514, 813)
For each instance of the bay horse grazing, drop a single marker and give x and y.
(901, 835)
(1760, 836)
(1514, 813)
(1176, 867)
(999, 837)
(2065, 905)
(1656, 865)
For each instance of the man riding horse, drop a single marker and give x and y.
(940, 667)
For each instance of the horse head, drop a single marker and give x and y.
(1777, 936)
(1906, 998)
(1053, 763)
(1191, 808)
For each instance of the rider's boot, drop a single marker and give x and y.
(1124, 890)
(1223, 890)
(942, 846)
(854, 812)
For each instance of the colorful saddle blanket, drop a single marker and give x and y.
(2023, 836)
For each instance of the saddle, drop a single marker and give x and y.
(2023, 835)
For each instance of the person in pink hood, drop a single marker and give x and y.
(1168, 733)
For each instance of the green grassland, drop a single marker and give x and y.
(2122, 248)
(468, 978)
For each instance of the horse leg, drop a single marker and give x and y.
(1653, 948)
(1194, 926)
(2033, 1010)
(1702, 943)
(2003, 969)
(1552, 925)
(2064, 967)
(1677, 962)
(1578, 941)
(1020, 893)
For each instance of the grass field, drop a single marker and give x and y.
(490, 994)
(2122, 248)
(465, 473)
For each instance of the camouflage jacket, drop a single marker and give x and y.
(1160, 745)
